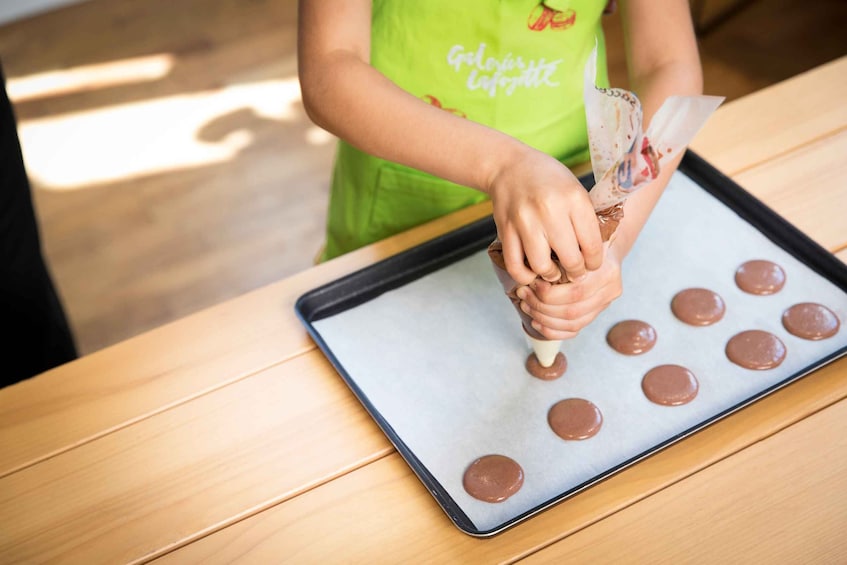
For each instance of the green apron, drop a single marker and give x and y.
(513, 65)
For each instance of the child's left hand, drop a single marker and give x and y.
(560, 311)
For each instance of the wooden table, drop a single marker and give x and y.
(227, 436)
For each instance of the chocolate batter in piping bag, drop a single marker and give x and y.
(624, 159)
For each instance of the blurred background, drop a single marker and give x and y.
(172, 163)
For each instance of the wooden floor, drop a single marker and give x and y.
(173, 166)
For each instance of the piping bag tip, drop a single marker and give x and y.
(545, 349)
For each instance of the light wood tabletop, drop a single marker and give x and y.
(227, 435)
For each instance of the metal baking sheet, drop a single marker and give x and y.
(435, 352)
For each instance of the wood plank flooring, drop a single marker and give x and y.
(173, 166)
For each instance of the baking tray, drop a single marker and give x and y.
(426, 415)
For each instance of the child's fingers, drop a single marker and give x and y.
(596, 301)
(570, 293)
(590, 241)
(566, 311)
(558, 306)
(554, 334)
(576, 242)
(549, 326)
(564, 243)
(513, 256)
(538, 254)
(559, 329)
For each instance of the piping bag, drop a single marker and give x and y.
(624, 159)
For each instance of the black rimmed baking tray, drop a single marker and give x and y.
(434, 351)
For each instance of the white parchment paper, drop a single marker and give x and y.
(442, 358)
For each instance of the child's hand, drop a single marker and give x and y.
(560, 311)
(540, 207)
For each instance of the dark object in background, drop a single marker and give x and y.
(35, 333)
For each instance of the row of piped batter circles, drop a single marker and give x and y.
(495, 477)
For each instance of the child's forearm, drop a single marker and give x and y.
(345, 95)
(663, 57)
(640, 205)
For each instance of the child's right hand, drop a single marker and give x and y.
(540, 207)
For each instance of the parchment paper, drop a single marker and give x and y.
(449, 375)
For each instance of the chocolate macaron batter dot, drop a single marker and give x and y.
(755, 349)
(698, 306)
(760, 277)
(575, 419)
(493, 478)
(631, 337)
(809, 320)
(670, 385)
(554, 371)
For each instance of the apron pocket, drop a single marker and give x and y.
(405, 198)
